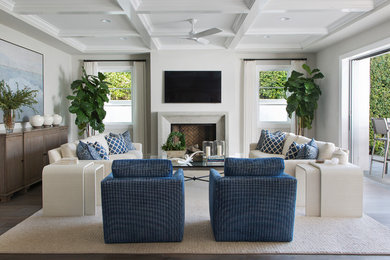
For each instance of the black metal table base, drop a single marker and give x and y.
(194, 178)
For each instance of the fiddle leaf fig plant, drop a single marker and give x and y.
(87, 102)
(304, 94)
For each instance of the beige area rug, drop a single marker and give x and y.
(312, 235)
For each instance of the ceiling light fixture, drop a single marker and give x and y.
(284, 19)
(105, 21)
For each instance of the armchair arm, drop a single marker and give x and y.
(179, 174)
(213, 178)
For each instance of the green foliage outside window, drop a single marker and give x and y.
(272, 84)
(120, 88)
(379, 94)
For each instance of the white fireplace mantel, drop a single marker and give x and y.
(165, 119)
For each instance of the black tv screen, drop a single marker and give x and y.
(192, 86)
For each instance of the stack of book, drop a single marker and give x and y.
(215, 160)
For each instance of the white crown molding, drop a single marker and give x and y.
(115, 49)
(287, 31)
(7, 4)
(65, 7)
(285, 47)
(345, 5)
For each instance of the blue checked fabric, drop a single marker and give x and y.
(293, 150)
(116, 145)
(143, 209)
(309, 151)
(252, 208)
(100, 150)
(273, 143)
(253, 167)
(142, 168)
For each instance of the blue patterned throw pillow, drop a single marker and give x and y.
(100, 150)
(309, 151)
(86, 152)
(116, 145)
(293, 151)
(127, 138)
(262, 136)
(273, 143)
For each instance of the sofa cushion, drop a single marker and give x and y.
(142, 168)
(253, 167)
(116, 145)
(87, 152)
(309, 151)
(100, 150)
(273, 143)
(68, 150)
(290, 138)
(325, 150)
(133, 154)
(127, 138)
(259, 154)
(302, 140)
(293, 150)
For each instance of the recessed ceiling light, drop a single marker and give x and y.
(124, 38)
(105, 21)
(266, 36)
(283, 19)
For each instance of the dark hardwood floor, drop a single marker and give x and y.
(22, 205)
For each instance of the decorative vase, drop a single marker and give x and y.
(57, 119)
(47, 120)
(8, 119)
(36, 121)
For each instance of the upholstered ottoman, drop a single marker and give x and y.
(71, 189)
(330, 190)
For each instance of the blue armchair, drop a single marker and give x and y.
(143, 202)
(255, 201)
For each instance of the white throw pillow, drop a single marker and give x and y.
(97, 138)
(325, 150)
(68, 150)
(290, 138)
(302, 139)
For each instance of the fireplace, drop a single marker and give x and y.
(207, 126)
(195, 134)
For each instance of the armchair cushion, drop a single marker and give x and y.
(142, 168)
(254, 167)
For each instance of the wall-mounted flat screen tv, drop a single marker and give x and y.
(192, 86)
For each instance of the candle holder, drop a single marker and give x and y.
(219, 148)
(208, 148)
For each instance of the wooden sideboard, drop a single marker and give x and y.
(23, 155)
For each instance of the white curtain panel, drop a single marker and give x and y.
(91, 68)
(250, 108)
(139, 104)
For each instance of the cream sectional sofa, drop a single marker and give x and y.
(326, 151)
(68, 150)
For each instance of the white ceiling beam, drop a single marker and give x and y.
(139, 25)
(191, 6)
(66, 7)
(224, 33)
(287, 31)
(312, 5)
(285, 47)
(96, 33)
(245, 22)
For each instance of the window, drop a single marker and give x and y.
(272, 97)
(119, 108)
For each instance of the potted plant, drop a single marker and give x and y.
(304, 94)
(89, 95)
(11, 102)
(175, 145)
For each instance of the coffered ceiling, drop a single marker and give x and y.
(133, 26)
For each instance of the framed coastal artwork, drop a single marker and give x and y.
(19, 68)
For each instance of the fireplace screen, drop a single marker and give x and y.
(195, 134)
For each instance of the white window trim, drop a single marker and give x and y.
(288, 68)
